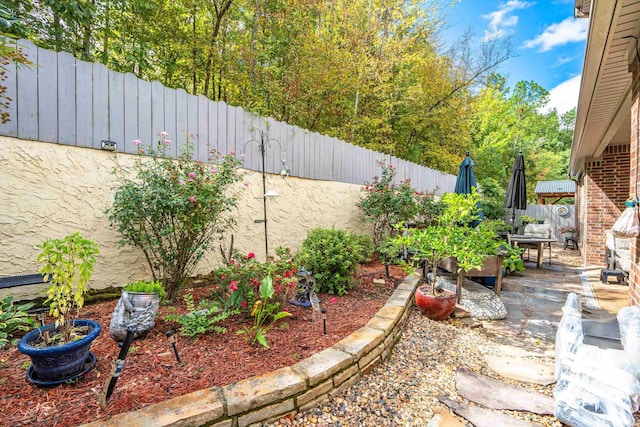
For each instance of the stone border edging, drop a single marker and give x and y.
(271, 396)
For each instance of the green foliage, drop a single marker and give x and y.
(202, 318)
(526, 219)
(239, 280)
(13, 318)
(452, 236)
(173, 210)
(507, 122)
(513, 260)
(332, 256)
(265, 313)
(386, 203)
(69, 263)
(146, 286)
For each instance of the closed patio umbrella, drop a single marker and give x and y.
(517, 190)
(465, 181)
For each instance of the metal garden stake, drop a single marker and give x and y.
(172, 340)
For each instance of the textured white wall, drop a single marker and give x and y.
(51, 190)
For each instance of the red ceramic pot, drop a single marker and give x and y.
(435, 307)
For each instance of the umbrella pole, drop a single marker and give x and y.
(513, 221)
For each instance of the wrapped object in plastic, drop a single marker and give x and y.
(628, 225)
(569, 336)
(629, 321)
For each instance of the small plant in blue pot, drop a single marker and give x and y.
(60, 352)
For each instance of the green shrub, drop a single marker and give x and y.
(146, 286)
(332, 256)
(200, 319)
(174, 209)
(386, 203)
(13, 318)
(239, 281)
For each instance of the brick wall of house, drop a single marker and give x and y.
(634, 273)
(606, 185)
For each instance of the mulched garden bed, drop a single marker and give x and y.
(152, 373)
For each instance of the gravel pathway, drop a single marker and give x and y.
(403, 391)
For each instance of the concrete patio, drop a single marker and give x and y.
(534, 299)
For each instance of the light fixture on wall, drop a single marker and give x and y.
(263, 143)
(108, 145)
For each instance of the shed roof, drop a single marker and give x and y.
(564, 186)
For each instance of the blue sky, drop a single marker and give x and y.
(548, 41)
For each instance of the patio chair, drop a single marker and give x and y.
(617, 258)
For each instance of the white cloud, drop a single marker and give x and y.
(564, 97)
(563, 59)
(501, 22)
(568, 31)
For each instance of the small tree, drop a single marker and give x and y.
(387, 203)
(174, 209)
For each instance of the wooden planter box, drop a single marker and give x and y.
(492, 267)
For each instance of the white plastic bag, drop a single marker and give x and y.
(628, 225)
(569, 336)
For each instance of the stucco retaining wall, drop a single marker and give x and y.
(51, 190)
(269, 397)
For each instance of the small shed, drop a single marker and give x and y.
(554, 191)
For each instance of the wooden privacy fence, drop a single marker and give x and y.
(63, 100)
(551, 215)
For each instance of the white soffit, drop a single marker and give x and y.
(604, 104)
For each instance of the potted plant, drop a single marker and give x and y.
(451, 237)
(59, 352)
(136, 308)
(568, 232)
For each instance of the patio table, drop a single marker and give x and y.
(532, 241)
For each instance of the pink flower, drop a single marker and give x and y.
(163, 134)
(213, 170)
(224, 276)
(233, 286)
(233, 153)
(137, 141)
(243, 304)
(167, 141)
(192, 199)
(242, 155)
(181, 182)
(190, 180)
(192, 175)
(250, 255)
(334, 300)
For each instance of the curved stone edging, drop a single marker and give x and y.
(289, 390)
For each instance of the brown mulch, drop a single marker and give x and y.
(152, 374)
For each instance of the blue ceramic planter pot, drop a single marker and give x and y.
(59, 362)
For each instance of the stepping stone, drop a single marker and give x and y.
(528, 371)
(461, 312)
(442, 418)
(483, 417)
(496, 394)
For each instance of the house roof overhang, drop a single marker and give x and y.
(604, 105)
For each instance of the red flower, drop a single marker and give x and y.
(233, 261)
(224, 276)
(243, 304)
(250, 255)
(233, 286)
(287, 273)
(334, 300)
(277, 288)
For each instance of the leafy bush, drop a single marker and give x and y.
(387, 203)
(173, 210)
(513, 260)
(265, 313)
(69, 262)
(146, 286)
(240, 279)
(13, 318)
(332, 256)
(200, 319)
